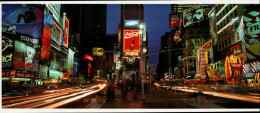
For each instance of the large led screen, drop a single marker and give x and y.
(131, 41)
(46, 37)
(192, 15)
(26, 19)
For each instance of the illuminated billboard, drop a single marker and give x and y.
(43, 72)
(55, 74)
(75, 67)
(98, 51)
(177, 35)
(132, 23)
(7, 52)
(192, 15)
(55, 9)
(46, 37)
(70, 61)
(131, 42)
(56, 33)
(193, 44)
(23, 18)
(175, 20)
(66, 31)
(252, 32)
(88, 57)
(57, 61)
(23, 56)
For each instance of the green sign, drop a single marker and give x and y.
(55, 74)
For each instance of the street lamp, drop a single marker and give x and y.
(141, 26)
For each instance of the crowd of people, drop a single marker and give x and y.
(130, 89)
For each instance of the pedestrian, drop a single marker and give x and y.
(109, 92)
(113, 90)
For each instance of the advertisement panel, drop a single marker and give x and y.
(23, 56)
(70, 61)
(131, 42)
(55, 74)
(193, 44)
(98, 51)
(56, 34)
(66, 32)
(192, 15)
(75, 67)
(43, 72)
(7, 52)
(55, 9)
(46, 37)
(177, 35)
(131, 23)
(23, 18)
(212, 26)
(88, 57)
(7, 28)
(252, 33)
(175, 20)
(57, 61)
(66, 76)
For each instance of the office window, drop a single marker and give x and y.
(226, 43)
(229, 40)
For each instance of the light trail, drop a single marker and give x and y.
(38, 99)
(247, 98)
(75, 98)
(34, 97)
(33, 105)
(31, 102)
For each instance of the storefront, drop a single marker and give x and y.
(251, 73)
(216, 73)
(205, 68)
(233, 69)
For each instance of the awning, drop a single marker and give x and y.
(257, 76)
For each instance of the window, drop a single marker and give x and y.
(226, 42)
(222, 44)
(229, 40)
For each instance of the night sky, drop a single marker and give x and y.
(156, 17)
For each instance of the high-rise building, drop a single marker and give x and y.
(132, 16)
(93, 33)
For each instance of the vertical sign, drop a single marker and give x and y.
(70, 61)
(46, 37)
(66, 32)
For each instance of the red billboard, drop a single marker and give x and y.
(46, 37)
(131, 42)
(66, 32)
(88, 57)
(175, 20)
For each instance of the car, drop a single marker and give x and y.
(53, 86)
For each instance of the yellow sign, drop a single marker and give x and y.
(98, 51)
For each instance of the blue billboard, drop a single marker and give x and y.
(26, 18)
(75, 67)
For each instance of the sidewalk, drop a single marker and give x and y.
(157, 99)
